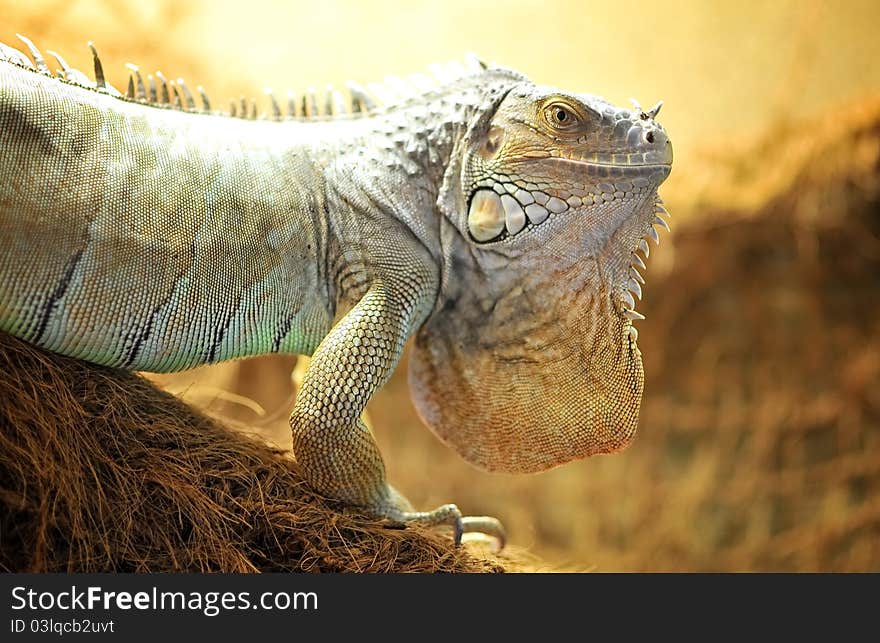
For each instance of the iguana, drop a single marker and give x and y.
(496, 220)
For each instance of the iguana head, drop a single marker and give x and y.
(530, 359)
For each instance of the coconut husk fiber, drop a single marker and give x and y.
(100, 471)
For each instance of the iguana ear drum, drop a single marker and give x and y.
(485, 216)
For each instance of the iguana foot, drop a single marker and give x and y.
(400, 511)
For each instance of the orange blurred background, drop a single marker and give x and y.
(718, 477)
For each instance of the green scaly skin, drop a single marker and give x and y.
(495, 220)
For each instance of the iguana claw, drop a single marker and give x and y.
(451, 515)
(484, 525)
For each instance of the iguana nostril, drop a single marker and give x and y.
(649, 137)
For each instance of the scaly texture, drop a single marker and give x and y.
(495, 219)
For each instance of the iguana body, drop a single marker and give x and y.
(495, 219)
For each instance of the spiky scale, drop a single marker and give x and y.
(164, 95)
(360, 97)
(100, 83)
(328, 101)
(14, 56)
(61, 62)
(178, 99)
(71, 75)
(37, 56)
(190, 103)
(206, 103)
(276, 108)
(473, 63)
(652, 113)
(312, 95)
(662, 222)
(151, 82)
(635, 274)
(634, 287)
(136, 84)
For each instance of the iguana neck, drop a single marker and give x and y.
(392, 166)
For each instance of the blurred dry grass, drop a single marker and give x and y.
(758, 446)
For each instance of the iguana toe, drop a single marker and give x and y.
(450, 515)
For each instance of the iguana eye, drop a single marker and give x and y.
(560, 116)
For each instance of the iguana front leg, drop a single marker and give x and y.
(334, 447)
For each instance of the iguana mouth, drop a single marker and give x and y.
(659, 164)
(624, 165)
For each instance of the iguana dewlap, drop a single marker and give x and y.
(494, 219)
